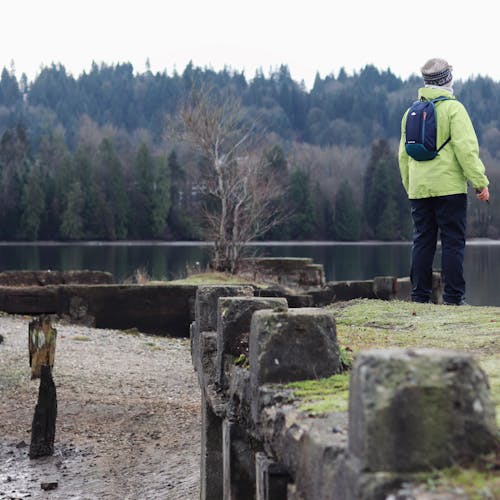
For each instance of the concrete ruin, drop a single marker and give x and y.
(91, 297)
(410, 410)
(291, 272)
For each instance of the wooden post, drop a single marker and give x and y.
(43, 428)
(41, 344)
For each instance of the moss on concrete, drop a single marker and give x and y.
(479, 481)
(365, 324)
(323, 395)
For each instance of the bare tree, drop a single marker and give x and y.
(234, 176)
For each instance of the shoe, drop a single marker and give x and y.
(461, 303)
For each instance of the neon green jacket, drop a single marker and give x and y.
(457, 163)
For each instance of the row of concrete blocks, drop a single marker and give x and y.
(409, 410)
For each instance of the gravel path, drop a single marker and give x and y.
(128, 416)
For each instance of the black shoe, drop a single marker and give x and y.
(461, 303)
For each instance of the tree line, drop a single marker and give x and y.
(97, 157)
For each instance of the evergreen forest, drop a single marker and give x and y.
(95, 157)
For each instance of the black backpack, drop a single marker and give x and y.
(421, 130)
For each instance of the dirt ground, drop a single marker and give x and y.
(127, 423)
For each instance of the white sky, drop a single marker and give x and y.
(308, 36)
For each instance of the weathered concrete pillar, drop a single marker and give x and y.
(211, 466)
(239, 463)
(233, 327)
(206, 301)
(207, 297)
(297, 344)
(203, 347)
(416, 410)
(271, 479)
(403, 290)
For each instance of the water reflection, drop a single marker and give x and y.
(170, 261)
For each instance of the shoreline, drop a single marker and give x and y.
(180, 243)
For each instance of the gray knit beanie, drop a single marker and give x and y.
(437, 72)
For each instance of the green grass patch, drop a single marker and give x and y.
(323, 395)
(375, 324)
(211, 278)
(479, 481)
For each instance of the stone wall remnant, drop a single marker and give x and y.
(418, 409)
(410, 410)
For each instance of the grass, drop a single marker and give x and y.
(212, 278)
(368, 324)
(322, 396)
(479, 481)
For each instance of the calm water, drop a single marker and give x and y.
(171, 260)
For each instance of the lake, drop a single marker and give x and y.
(341, 261)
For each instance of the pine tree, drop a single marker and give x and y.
(161, 199)
(385, 207)
(72, 217)
(10, 95)
(113, 200)
(143, 193)
(32, 203)
(347, 219)
(301, 223)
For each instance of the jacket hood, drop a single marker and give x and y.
(432, 93)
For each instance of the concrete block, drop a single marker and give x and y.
(233, 327)
(348, 290)
(239, 463)
(298, 344)
(403, 289)
(416, 410)
(385, 287)
(320, 448)
(208, 355)
(207, 297)
(211, 463)
(271, 479)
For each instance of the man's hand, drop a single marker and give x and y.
(483, 194)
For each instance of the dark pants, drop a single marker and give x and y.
(448, 214)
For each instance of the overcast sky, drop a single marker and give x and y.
(308, 36)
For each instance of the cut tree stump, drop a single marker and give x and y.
(41, 344)
(43, 428)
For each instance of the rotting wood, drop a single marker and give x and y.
(41, 344)
(43, 428)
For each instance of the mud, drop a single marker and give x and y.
(128, 417)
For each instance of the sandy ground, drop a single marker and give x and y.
(128, 416)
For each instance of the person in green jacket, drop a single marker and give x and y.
(437, 188)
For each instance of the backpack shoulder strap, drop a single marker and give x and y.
(444, 144)
(437, 99)
(442, 98)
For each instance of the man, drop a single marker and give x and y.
(437, 188)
